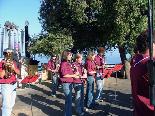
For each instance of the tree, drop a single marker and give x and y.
(49, 43)
(129, 24)
(92, 23)
(119, 23)
(56, 23)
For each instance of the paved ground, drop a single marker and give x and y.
(42, 104)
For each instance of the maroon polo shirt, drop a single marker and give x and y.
(90, 66)
(51, 65)
(100, 61)
(66, 68)
(12, 79)
(139, 85)
(81, 71)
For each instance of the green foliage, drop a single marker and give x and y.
(89, 24)
(56, 23)
(129, 22)
(108, 23)
(50, 43)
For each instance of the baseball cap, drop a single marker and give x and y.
(16, 46)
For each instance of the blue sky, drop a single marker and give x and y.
(111, 57)
(18, 11)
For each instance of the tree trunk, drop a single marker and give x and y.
(124, 61)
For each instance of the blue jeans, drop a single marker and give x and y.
(8, 92)
(67, 88)
(89, 92)
(99, 89)
(55, 85)
(79, 97)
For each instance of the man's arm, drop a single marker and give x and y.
(15, 58)
(2, 71)
(19, 56)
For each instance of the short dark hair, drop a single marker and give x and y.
(142, 41)
(135, 50)
(53, 55)
(100, 49)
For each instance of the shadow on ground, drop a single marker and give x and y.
(116, 102)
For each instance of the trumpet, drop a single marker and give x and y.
(84, 71)
(8, 61)
(97, 67)
(57, 69)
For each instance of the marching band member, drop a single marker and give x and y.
(66, 78)
(79, 84)
(100, 62)
(91, 71)
(139, 76)
(53, 66)
(8, 81)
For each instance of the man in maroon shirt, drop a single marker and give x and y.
(8, 83)
(139, 76)
(100, 64)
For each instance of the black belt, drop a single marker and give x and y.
(9, 83)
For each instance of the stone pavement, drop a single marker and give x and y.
(117, 100)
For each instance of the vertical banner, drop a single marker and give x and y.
(2, 43)
(26, 41)
(6, 39)
(23, 46)
(19, 36)
(12, 39)
(9, 39)
(22, 42)
(15, 40)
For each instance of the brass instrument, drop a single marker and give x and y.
(103, 62)
(84, 72)
(97, 67)
(57, 69)
(8, 61)
(76, 69)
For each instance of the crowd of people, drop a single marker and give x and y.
(75, 74)
(67, 73)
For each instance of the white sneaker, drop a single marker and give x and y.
(53, 95)
(85, 110)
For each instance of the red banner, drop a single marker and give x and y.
(30, 78)
(107, 72)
